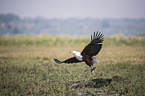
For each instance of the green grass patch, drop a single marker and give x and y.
(29, 68)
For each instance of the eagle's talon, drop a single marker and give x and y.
(92, 70)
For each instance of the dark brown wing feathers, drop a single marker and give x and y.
(94, 46)
(71, 60)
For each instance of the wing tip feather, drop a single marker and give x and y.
(57, 61)
(98, 35)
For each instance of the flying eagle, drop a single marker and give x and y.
(88, 52)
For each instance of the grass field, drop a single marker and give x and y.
(27, 66)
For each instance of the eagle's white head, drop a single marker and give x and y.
(74, 52)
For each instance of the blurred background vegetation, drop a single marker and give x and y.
(67, 32)
(53, 40)
(11, 24)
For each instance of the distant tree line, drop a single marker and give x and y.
(11, 24)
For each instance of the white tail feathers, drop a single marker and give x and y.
(95, 60)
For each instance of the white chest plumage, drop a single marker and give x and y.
(78, 55)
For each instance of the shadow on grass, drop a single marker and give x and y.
(95, 83)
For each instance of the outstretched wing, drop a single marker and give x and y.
(69, 60)
(94, 46)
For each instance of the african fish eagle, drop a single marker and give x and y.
(88, 52)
